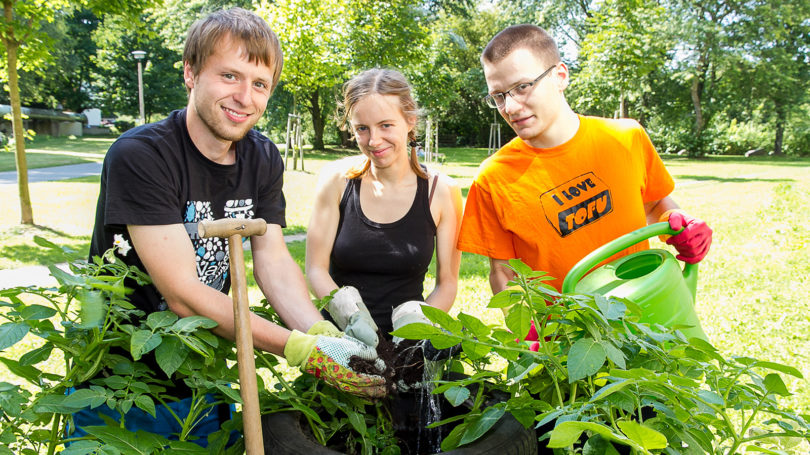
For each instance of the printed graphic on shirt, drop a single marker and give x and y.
(576, 203)
(212, 253)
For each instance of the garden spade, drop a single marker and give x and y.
(234, 230)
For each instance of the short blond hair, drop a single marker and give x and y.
(261, 43)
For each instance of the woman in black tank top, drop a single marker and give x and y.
(379, 217)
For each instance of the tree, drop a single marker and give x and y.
(779, 39)
(625, 44)
(323, 39)
(25, 42)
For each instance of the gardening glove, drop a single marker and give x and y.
(327, 358)
(533, 338)
(406, 313)
(324, 327)
(693, 243)
(351, 315)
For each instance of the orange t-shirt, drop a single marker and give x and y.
(551, 207)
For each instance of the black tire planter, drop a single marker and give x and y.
(287, 433)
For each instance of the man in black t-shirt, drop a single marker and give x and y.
(202, 163)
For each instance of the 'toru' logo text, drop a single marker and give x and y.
(576, 203)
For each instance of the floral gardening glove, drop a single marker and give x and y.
(324, 327)
(327, 358)
(350, 313)
(693, 242)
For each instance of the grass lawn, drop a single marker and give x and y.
(752, 287)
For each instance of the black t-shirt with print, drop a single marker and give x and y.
(155, 175)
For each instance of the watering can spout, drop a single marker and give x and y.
(690, 274)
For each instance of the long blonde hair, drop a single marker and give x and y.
(381, 81)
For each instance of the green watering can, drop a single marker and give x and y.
(653, 279)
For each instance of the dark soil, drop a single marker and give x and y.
(404, 363)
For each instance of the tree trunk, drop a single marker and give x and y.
(780, 129)
(623, 107)
(26, 212)
(317, 120)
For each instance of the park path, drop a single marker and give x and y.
(46, 174)
(39, 275)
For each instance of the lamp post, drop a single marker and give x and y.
(139, 55)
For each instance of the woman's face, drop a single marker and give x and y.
(381, 129)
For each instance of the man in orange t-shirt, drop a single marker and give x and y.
(568, 183)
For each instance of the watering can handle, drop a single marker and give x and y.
(609, 249)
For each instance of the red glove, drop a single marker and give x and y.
(693, 243)
(532, 336)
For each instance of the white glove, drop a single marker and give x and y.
(352, 316)
(406, 313)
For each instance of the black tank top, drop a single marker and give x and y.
(386, 262)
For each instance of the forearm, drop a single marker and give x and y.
(202, 300)
(499, 275)
(655, 209)
(443, 295)
(283, 284)
(320, 281)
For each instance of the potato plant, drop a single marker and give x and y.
(596, 379)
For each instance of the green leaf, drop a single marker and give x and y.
(504, 299)
(417, 331)
(142, 342)
(186, 448)
(585, 358)
(11, 333)
(358, 422)
(230, 392)
(452, 440)
(642, 434)
(457, 395)
(126, 441)
(474, 325)
(36, 312)
(773, 382)
(37, 355)
(568, 432)
(711, 397)
(92, 309)
(171, 354)
(192, 323)
(161, 319)
(520, 267)
(28, 372)
(444, 340)
(778, 367)
(83, 447)
(65, 278)
(145, 403)
(518, 320)
(45, 243)
(610, 388)
(597, 445)
(615, 354)
(443, 319)
(481, 424)
(475, 350)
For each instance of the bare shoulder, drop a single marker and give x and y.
(447, 188)
(334, 172)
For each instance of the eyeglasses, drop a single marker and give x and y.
(518, 92)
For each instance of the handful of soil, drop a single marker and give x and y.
(404, 362)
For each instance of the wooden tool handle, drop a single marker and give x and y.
(248, 387)
(226, 227)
